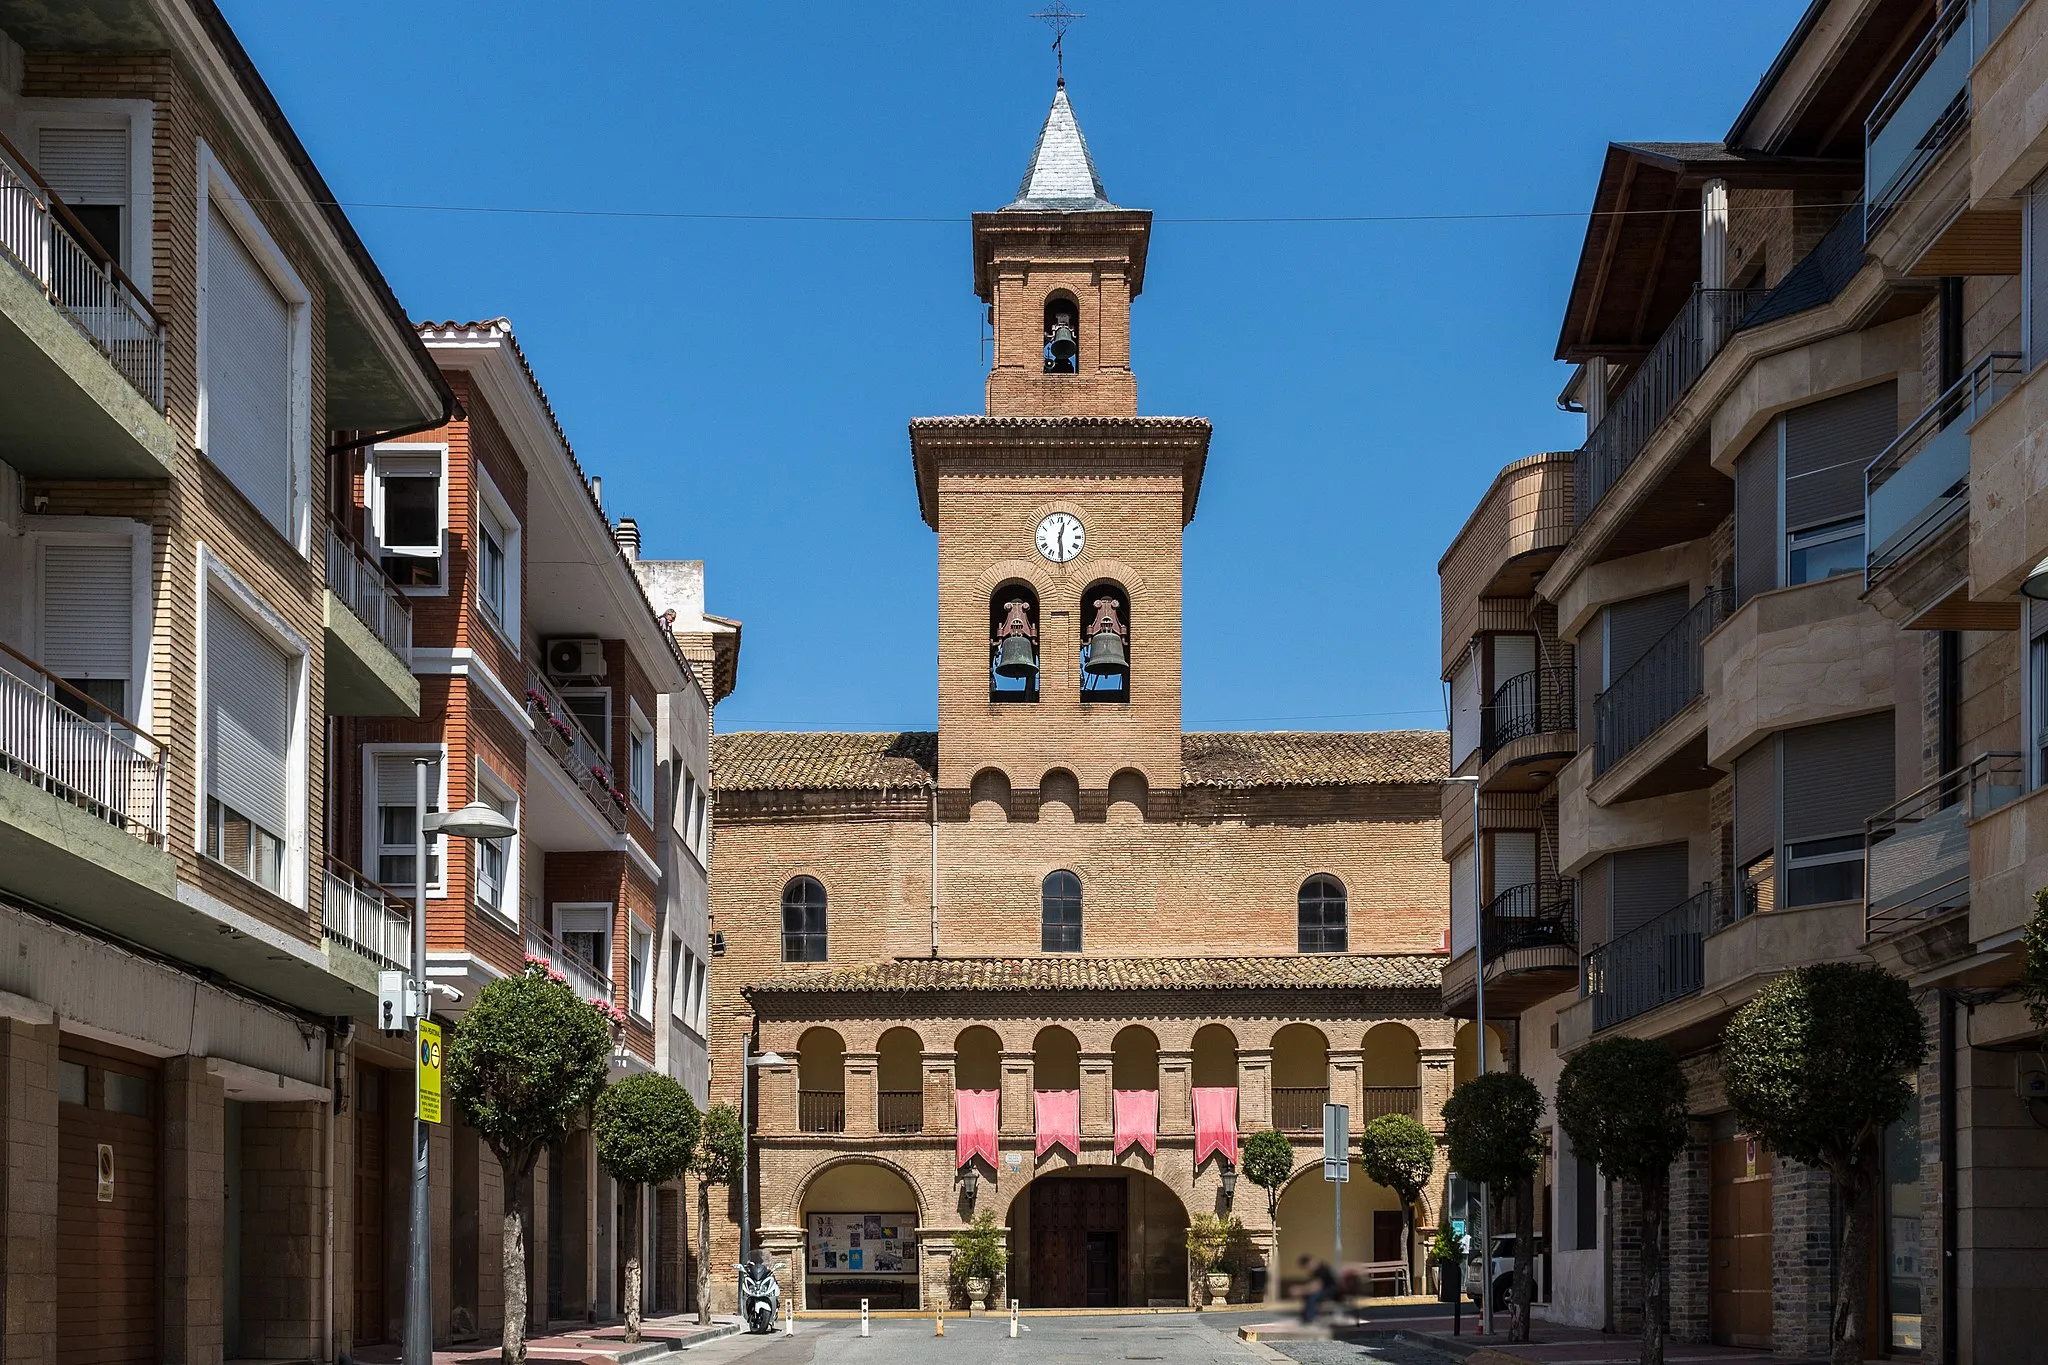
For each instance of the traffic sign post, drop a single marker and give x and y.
(429, 1071)
(1337, 1170)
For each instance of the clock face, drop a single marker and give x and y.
(1060, 537)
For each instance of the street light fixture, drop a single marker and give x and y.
(1229, 1183)
(748, 1060)
(474, 821)
(970, 1182)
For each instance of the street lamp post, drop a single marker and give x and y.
(1479, 1037)
(474, 821)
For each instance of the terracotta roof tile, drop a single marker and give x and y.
(766, 760)
(1065, 972)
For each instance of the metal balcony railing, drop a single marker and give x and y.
(821, 1111)
(1927, 105)
(1666, 375)
(562, 734)
(47, 243)
(1921, 482)
(1917, 853)
(1652, 964)
(1299, 1109)
(584, 977)
(1537, 923)
(1820, 276)
(1389, 1099)
(59, 739)
(358, 913)
(1657, 686)
(363, 586)
(900, 1111)
(1538, 702)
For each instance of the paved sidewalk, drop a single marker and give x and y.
(1550, 1344)
(604, 1344)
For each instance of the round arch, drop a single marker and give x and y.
(1134, 1059)
(860, 1216)
(1130, 797)
(1372, 1222)
(1465, 1052)
(1146, 1248)
(988, 797)
(1391, 1061)
(1215, 1056)
(978, 1058)
(1059, 797)
(1055, 1059)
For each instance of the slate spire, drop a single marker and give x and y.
(1061, 177)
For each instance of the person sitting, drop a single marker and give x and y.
(1319, 1288)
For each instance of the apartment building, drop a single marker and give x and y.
(258, 558)
(1753, 679)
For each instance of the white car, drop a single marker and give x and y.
(1504, 1271)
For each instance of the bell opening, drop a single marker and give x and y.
(1105, 643)
(1013, 644)
(1062, 335)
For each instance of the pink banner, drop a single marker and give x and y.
(1215, 1121)
(1137, 1121)
(1059, 1120)
(974, 1119)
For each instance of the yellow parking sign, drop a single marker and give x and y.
(430, 1071)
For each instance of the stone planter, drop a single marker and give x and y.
(1218, 1283)
(977, 1295)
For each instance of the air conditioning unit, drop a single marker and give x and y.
(575, 659)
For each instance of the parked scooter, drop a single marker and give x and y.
(760, 1295)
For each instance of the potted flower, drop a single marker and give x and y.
(980, 1254)
(1209, 1237)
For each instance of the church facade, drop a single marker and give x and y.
(1056, 958)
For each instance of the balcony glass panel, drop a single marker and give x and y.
(1922, 480)
(1918, 852)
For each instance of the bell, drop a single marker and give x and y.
(1015, 658)
(1064, 347)
(1106, 656)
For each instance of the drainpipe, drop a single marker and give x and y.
(1951, 1316)
(327, 1205)
(935, 867)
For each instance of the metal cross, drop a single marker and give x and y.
(1059, 19)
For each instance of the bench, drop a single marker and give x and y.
(1366, 1275)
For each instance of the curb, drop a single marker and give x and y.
(660, 1348)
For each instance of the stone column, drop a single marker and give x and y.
(1436, 1085)
(1097, 1112)
(1346, 1065)
(935, 1268)
(861, 1098)
(1017, 1117)
(1714, 234)
(194, 1174)
(1686, 1267)
(940, 1080)
(28, 1189)
(1176, 1108)
(1254, 1088)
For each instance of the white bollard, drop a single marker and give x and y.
(789, 1323)
(1013, 1317)
(863, 1317)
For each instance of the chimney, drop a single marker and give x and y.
(627, 534)
(597, 490)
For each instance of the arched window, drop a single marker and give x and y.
(1105, 643)
(1060, 914)
(1062, 335)
(1321, 912)
(1013, 643)
(803, 921)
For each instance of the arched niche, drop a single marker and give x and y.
(988, 797)
(978, 1059)
(1215, 1057)
(1059, 797)
(1055, 1060)
(1130, 797)
(1134, 1059)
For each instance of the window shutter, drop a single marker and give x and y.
(1593, 898)
(2034, 272)
(396, 785)
(1645, 883)
(1756, 801)
(1464, 711)
(249, 715)
(1827, 445)
(248, 373)
(1836, 775)
(89, 610)
(1758, 540)
(1633, 626)
(1513, 655)
(1514, 859)
(1589, 664)
(1461, 901)
(84, 165)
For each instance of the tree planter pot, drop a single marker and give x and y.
(977, 1295)
(1218, 1283)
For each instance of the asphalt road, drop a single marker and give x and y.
(1169, 1338)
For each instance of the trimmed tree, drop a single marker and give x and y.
(1399, 1153)
(1490, 1125)
(1267, 1160)
(646, 1131)
(1816, 1068)
(721, 1151)
(1622, 1103)
(526, 1060)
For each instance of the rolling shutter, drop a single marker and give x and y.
(2034, 272)
(1635, 625)
(249, 718)
(84, 165)
(1513, 655)
(1464, 711)
(1756, 801)
(1827, 445)
(1514, 859)
(89, 610)
(1836, 775)
(1757, 536)
(1644, 883)
(1461, 901)
(248, 373)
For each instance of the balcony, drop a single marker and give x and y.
(582, 975)
(821, 1111)
(1532, 928)
(559, 731)
(1820, 276)
(369, 635)
(1376, 1100)
(1299, 1108)
(1927, 106)
(90, 759)
(1665, 376)
(373, 922)
(1668, 678)
(1917, 853)
(81, 349)
(1528, 725)
(1652, 964)
(1920, 485)
(900, 1111)
(1511, 537)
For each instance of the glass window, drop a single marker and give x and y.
(408, 519)
(242, 844)
(70, 1083)
(490, 569)
(1823, 870)
(494, 857)
(1321, 915)
(1902, 1230)
(803, 921)
(1823, 551)
(396, 816)
(639, 947)
(640, 767)
(594, 710)
(1759, 889)
(1060, 914)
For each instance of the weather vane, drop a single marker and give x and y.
(1057, 17)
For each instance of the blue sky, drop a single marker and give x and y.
(743, 386)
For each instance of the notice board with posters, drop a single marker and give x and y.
(862, 1243)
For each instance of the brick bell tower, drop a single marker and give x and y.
(1059, 513)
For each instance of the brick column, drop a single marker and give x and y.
(28, 1188)
(940, 1080)
(194, 1174)
(861, 1098)
(775, 1094)
(1254, 1088)
(783, 1248)
(1686, 1244)
(282, 1170)
(1017, 1117)
(1436, 1086)
(1802, 1259)
(1625, 1264)
(1176, 1108)
(935, 1268)
(1097, 1113)
(1346, 1065)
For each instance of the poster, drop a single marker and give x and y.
(862, 1243)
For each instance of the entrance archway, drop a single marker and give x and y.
(860, 1222)
(1097, 1237)
(1372, 1222)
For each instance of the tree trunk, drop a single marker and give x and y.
(632, 1232)
(513, 1260)
(703, 1254)
(1408, 1239)
(1525, 1258)
(1656, 1294)
(1854, 1182)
